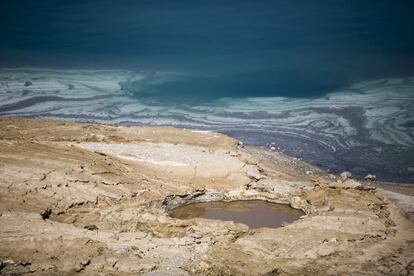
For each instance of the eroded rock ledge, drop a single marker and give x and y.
(94, 199)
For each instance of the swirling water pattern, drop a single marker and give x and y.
(365, 128)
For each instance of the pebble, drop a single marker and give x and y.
(91, 227)
(370, 177)
(331, 176)
(46, 213)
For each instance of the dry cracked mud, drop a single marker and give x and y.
(94, 200)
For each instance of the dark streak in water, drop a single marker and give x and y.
(40, 99)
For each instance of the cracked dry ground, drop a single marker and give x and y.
(94, 200)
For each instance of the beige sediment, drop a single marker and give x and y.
(120, 182)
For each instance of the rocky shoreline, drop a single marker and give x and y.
(94, 199)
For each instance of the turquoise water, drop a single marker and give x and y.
(216, 49)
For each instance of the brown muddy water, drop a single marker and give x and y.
(254, 213)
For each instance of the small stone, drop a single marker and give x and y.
(370, 177)
(345, 175)
(82, 265)
(309, 172)
(47, 267)
(86, 262)
(253, 173)
(298, 202)
(46, 213)
(272, 148)
(331, 176)
(326, 251)
(91, 227)
(350, 183)
(8, 262)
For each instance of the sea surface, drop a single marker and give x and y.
(364, 127)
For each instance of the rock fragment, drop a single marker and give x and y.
(350, 183)
(331, 176)
(91, 227)
(83, 264)
(46, 213)
(253, 173)
(370, 177)
(345, 175)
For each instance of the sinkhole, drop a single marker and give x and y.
(253, 213)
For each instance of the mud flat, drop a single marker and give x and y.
(95, 200)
